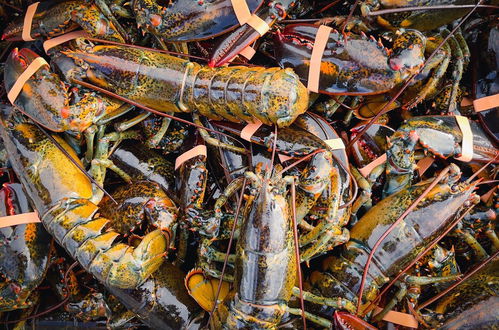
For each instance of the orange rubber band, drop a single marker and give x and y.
(369, 167)
(23, 78)
(467, 144)
(250, 129)
(248, 52)
(335, 144)
(486, 103)
(242, 11)
(244, 16)
(28, 19)
(403, 319)
(258, 24)
(51, 43)
(199, 150)
(424, 164)
(315, 60)
(19, 219)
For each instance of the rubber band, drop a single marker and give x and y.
(258, 24)
(250, 129)
(244, 16)
(369, 167)
(467, 144)
(314, 71)
(424, 164)
(242, 11)
(248, 52)
(335, 144)
(28, 19)
(51, 43)
(19, 219)
(403, 319)
(199, 150)
(486, 103)
(23, 78)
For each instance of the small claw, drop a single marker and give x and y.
(231, 46)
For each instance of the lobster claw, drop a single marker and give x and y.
(188, 20)
(245, 35)
(43, 107)
(344, 321)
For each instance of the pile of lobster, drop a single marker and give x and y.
(249, 163)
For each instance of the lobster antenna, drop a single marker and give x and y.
(421, 254)
(66, 153)
(390, 229)
(453, 285)
(233, 230)
(418, 8)
(169, 52)
(481, 169)
(297, 252)
(156, 112)
(301, 160)
(386, 107)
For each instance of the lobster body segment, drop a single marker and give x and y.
(167, 83)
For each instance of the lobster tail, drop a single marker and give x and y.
(273, 95)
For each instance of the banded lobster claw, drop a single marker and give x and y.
(246, 34)
(361, 66)
(188, 20)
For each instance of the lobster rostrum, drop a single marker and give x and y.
(167, 83)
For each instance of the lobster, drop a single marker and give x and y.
(166, 83)
(469, 305)
(341, 276)
(359, 65)
(67, 211)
